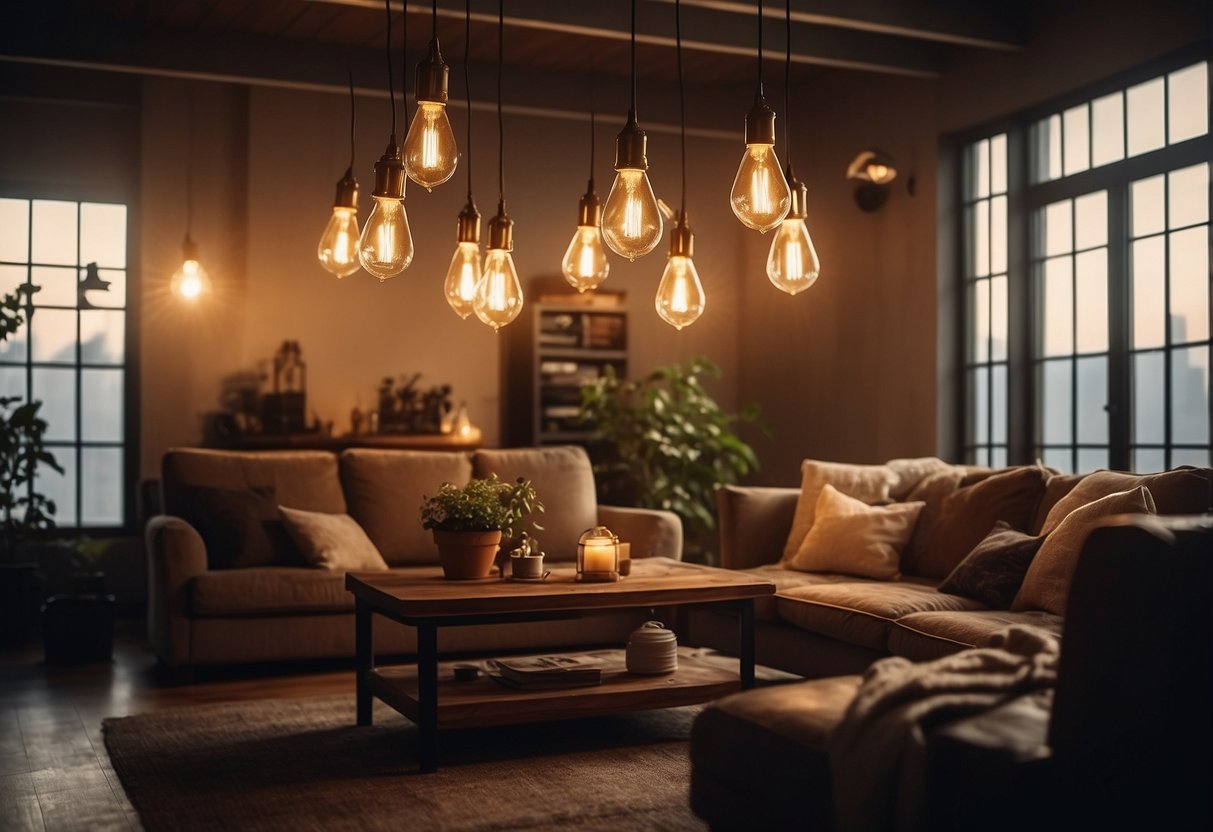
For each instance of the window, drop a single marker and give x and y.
(71, 354)
(1108, 366)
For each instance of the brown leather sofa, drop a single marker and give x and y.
(200, 615)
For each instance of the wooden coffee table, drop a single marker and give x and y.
(425, 600)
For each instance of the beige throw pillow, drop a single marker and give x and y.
(853, 538)
(1047, 584)
(867, 483)
(332, 541)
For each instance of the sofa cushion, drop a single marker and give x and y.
(867, 483)
(853, 538)
(922, 636)
(993, 572)
(300, 479)
(968, 514)
(786, 580)
(564, 482)
(754, 523)
(241, 527)
(932, 490)
(1056, 487)
(862, 612)
(1047, 584)
(332, 541)
(384, 490)
(269, 591)
(910, 472)
(1184, 490)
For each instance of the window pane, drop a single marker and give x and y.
(1149, 460)
(1190, 395)
(11, 277)
(1058, 458)
(56, 286)
(1149, 292)
(101, 405)
(1188, 103)
(979, 456)
(1146, 117)
(1091, 220)
(101, 486)
(1108, 129)
(998, 235)
(1148, 200)
(115, 296)
(979, 382)
(1190, 456)
(54, 233)
(14, 230)
(103, 235)
(980, 347)
(998, 403)
(998, 164)
(1058, 308)
(57, 390)
(12, 382)
(1091, 286)
(998, 318)
(981, 169)
(1190, 285)
(1188, 192)
(1046, 149)
(1077, 139)
(1059, 237)
(53, 335)
(1056, 406)
(1091, 459)
(1092, 398)
(102, 334)
(17, 346)
(60, 488)
(981, 239)
(998, 457)
(1149, 398)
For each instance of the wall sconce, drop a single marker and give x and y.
(874, 170)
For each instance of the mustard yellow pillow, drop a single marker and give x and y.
(853, 538)
(868, 483)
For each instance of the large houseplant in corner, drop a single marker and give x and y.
(468, 522)
(663, 442)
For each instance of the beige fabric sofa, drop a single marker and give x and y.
(198, 615)
(824, 625)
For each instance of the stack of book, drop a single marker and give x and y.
(542, 672)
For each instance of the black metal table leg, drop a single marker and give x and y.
(365, 652)
(745, 628)
(427, 695)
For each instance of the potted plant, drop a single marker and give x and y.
(468, 522)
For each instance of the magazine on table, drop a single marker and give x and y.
(549, 671)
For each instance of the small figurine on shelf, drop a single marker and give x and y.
(284, 410)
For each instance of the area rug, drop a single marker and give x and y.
(299, 764)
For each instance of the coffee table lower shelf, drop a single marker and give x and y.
(486, 701)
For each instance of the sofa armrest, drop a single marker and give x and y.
(175, 554)
(651, 532)
(754, 522)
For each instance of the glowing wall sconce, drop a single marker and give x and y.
(874, 170)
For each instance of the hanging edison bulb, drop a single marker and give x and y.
(191, 281)
(338, 248)
(585, 263)
(385, 248)
(792, 265)
(499, 294)
(463, 275)
(760, 196)
(631, 220)
(430, 151)
(680, 298)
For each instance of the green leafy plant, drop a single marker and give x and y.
(664, 442)
(482, 505)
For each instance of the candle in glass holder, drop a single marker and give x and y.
(598, 555)
(599, 558)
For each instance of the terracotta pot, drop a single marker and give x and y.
(466, 556)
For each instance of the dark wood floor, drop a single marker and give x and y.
(54, 771)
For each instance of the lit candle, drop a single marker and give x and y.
(600, 558)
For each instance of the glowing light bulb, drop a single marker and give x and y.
(430, 152)
(191, 281)
(631, 220)
(499, 294)
(385, 248)
(680, 299)
(463, 275)
(792, 264)
(338, 248)
(585, 263)
(760, 196)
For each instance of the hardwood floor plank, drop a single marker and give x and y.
(92, 808)
(14, 763)
(84, 773)
(22, 814)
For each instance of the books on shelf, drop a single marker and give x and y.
(555, 671)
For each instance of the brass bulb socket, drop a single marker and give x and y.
(501, 232)
(189, 249)
(432, 76)
(389, 174)
(682, 239)
(760, 123)
(589, 209)
(800, 198)
(347, 191)
(630, 146)
(469, 224)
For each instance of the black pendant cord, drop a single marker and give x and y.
(787, 86)
(467, 85)
(404, 67)
(353, 115)
(189, 168)
(593, 124)
(760, 47)
(633, 107)
(682, 105)
(391, 89)
(500, 120)
(433, 20)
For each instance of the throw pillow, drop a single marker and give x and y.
(932, 490)
(867, 483)
(1046, 586)
(993, 572)
(968, 514)
(241, 527)
(1184, 490)
(853, 538)
(910, 472)
(332, 541)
